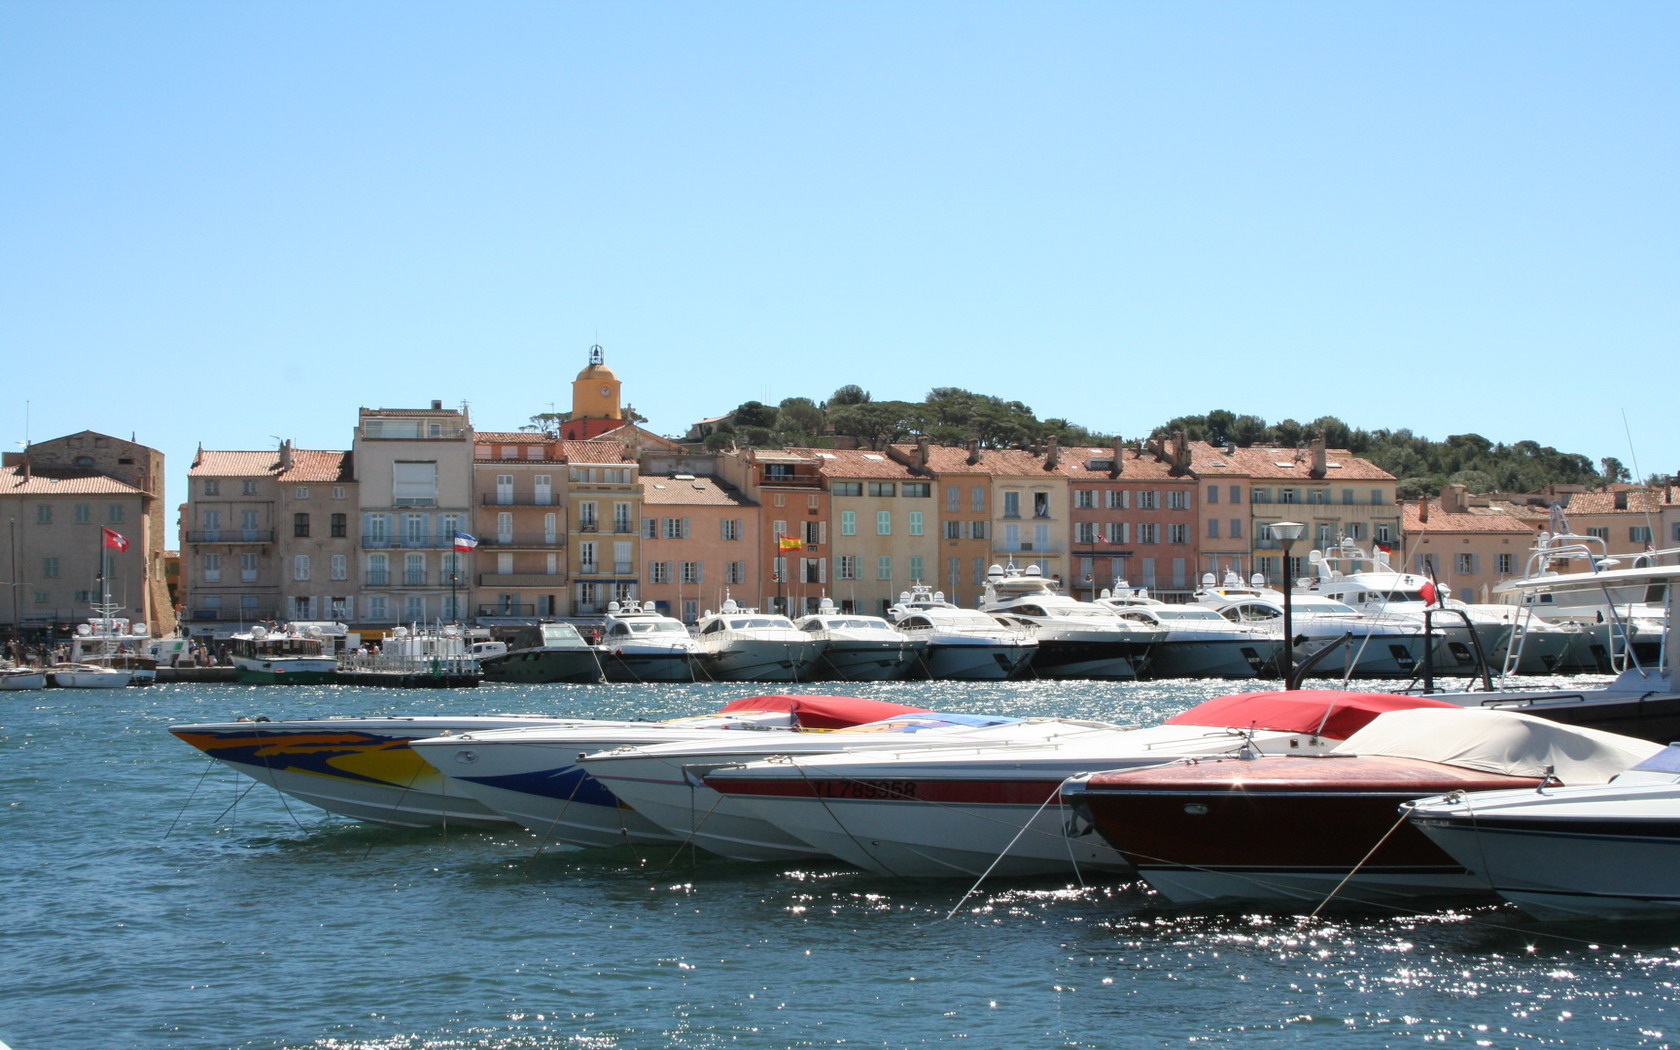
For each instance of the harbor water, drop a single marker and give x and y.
(154, 898)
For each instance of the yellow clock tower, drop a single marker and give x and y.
(595, 399)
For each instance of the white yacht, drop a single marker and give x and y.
(1622, 619)
(737, 644)
(1075, 639)
(1368, 583)
(958, 643)
(1199, 642)
(1361, 646)
(644, 645)
(858, 648)
(112, 641)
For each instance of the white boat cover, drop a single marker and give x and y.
(1500, 742)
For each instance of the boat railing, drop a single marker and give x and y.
(402, 663)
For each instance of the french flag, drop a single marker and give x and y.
(465, 542)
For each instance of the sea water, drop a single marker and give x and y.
(150, 897)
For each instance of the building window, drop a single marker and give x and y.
(883, 567)
(248, 487)
(587, 519)
(1213, 529)
(659, 572)
(650, 528)
(338, 492)
(340, 567)
(1355, 530)
(883, 523)
(882, 488)
(414, 570)
(49, 568)
(1213, 493)
(300, 567)
(1236, 528)
(1465, 564)
(1178, 499)
(1085, 532)
(737, 572)
(1148, 532)
(84, 513)
(1286, 496)
(1012, 504)
(1118, 499)
(953, 498)
(1377, 498)
(731, 528)
(300, 524)
(676, 528)
(115, 512)
(1347, 496)
(43, 513)
(915, 567)
(846, 488)
(379, 570)
(1506, 564)
(691, 572)
(846, 567)
(301, 492)
(212, 567)
(212, 487)
(1382, 532)
(953, 530)
(848, 523)
(1041, 504)
(1602, 533)
(1148, 499)
(248, 565)
(917, 489)
(977, 499)
(915, 525)
(1119, 531)
(339, 525)
(1639, 533)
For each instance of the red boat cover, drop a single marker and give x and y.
(823, 712)
(1333, 713)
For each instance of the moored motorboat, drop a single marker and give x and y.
(996, 809)
(533, 776)
(858, 648)
(737, 644)
(544, 653)
(362, 768)
(957, 643)
(642, 644)
(1340, 641)
(282, 655)
(87, 676)
(1075, 639)
(1199, 643)
(1297, 830)
(1599, 851)
(108, 640)
(22, 678)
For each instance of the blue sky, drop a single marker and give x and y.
(229, 223)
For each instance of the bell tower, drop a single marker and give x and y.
(596, 407)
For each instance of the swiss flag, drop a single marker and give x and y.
(115, 540)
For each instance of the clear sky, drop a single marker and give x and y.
(228, 223)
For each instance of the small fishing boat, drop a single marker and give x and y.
(22, 678)
(282, 655)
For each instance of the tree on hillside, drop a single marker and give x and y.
(800, 417)
(754, 414)
(850, 394)
(875, 424)
(547, 423)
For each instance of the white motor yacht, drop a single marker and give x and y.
(858, 648)
(1360, 646)
(1593, 851)
(1199, 642)
(22, 678)
(1075, 639)
(644, 645)
(737, 644)
(88, 676)
(957, 643)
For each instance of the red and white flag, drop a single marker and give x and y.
(1428, 591)
(115, 540)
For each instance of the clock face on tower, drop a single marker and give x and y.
(606, 391)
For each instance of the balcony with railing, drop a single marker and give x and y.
(508, 609)
(230, 536)
(411, 543)
(523, 539)
(1029, 547)
(519, 499)
(522, 579)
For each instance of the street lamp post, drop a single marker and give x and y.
(1287, 532)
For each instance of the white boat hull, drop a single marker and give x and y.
(760, 660)
(90, 678)
(968, 661)
(22, 679)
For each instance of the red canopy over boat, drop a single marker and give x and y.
(1334, 713)
(823, 712)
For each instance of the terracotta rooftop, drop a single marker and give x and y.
(319, 465)
(1476, 519)
(307, 465)
(1636, 501)
(1285, 464)
(60, 482)
(855, 463)
(665, 490)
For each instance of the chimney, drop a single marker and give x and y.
(1320, 464)
(1423, 509)
(973, 451)
(922, 454)
(437, 406)
(286, 454)
(1455, 499)
(1052, 455)
(1180, 454)
(1119, 464)
(1621, 500)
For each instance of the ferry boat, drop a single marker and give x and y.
(283, 655)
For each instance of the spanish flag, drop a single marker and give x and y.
(788, 543)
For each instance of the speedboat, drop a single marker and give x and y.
(1288, 830)
(533, 776)
(663, 782)
(1199, 642)
(644, 645)
(361, 768)
(996, 808)
(546, 652)
(1597, 851)
(737, 644)
(1075, 639)
(1358, 646)
(958, 643)
(283, 655)
(858, 648)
